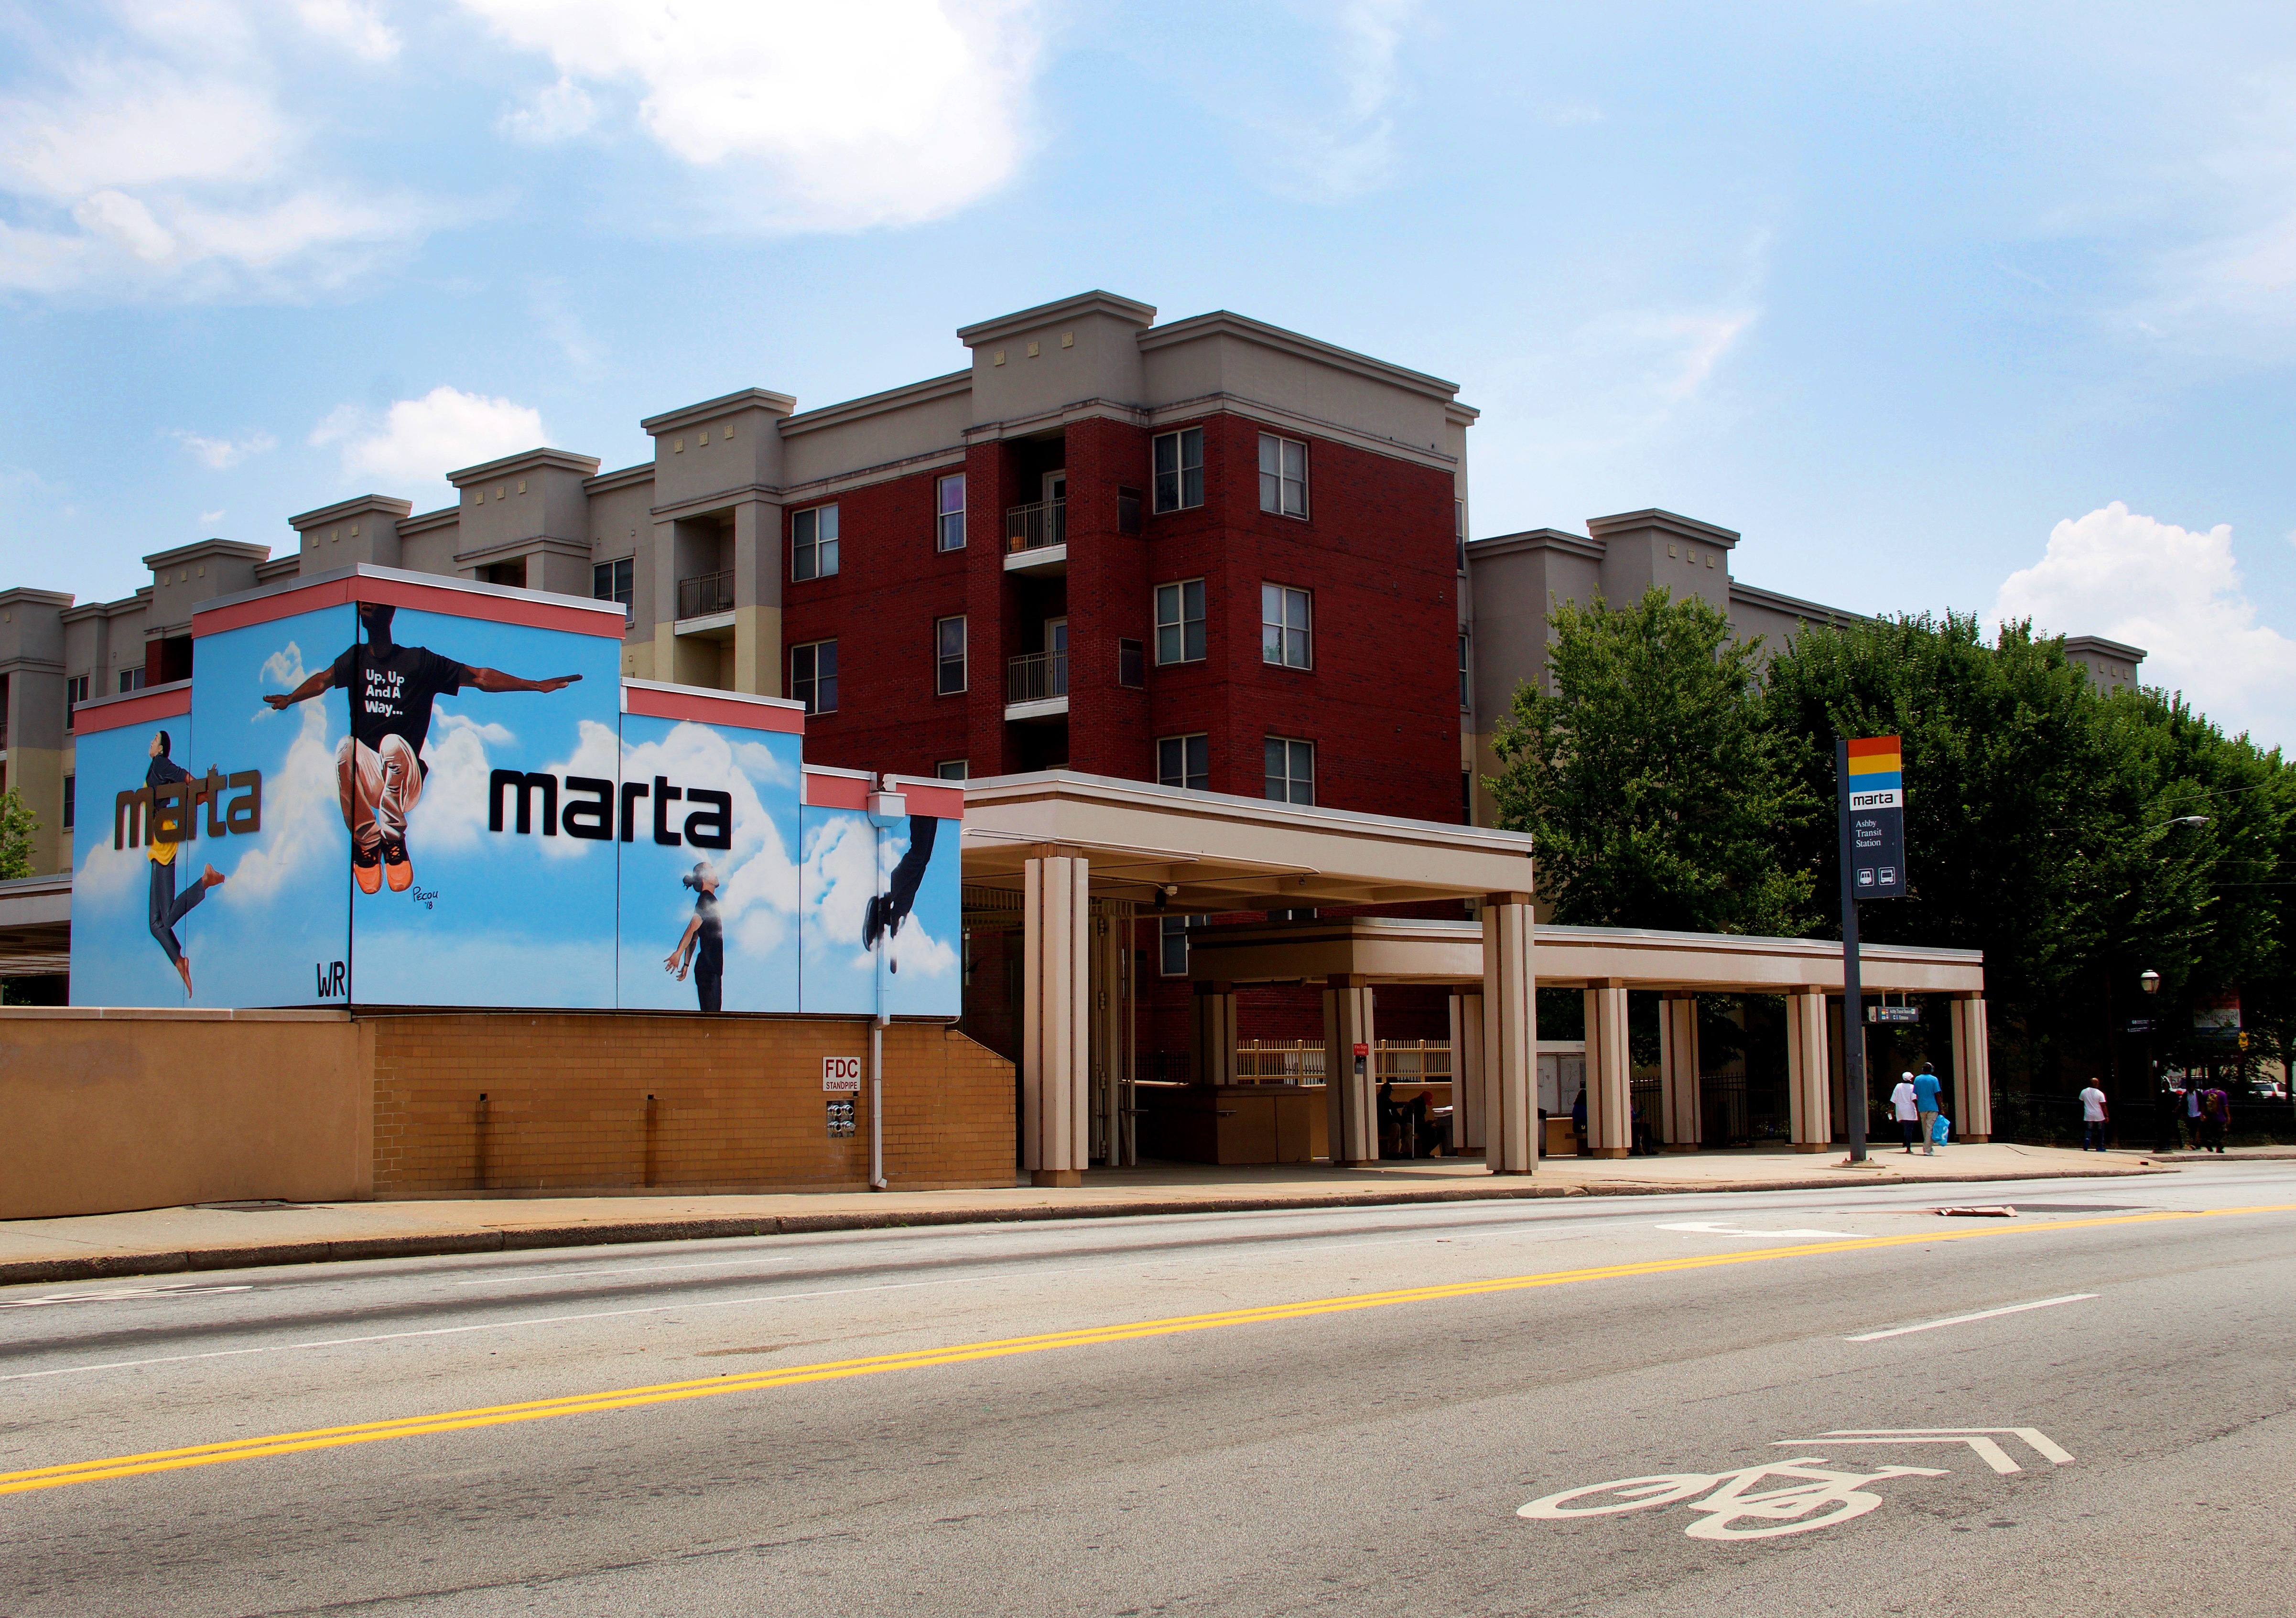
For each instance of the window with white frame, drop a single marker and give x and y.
(1179, 468)
(1172, 944)
(131, 679)
(1283, 475)
(1285, 635)
(1185, 761)
(812, 543)
(614, 582)
(1180, 622)
(1291, 771)
(1459, 530)
(74, 693)
(813, 675)
(948, 518)
(72, 785)
(948, 656)
(952, 769)
(1466, 683)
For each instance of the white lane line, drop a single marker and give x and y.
(1982, 1314)
(452, 1331)
(559, 1275)
(1714, 1226)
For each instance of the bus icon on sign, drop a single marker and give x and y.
(1865, 875)
(841, 1074)
(1889, 876)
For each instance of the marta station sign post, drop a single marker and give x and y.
(1871, 772)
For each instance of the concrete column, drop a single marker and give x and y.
(758, 572)
(1468, 1126)
(1509, 1050)
(1609, 1076)
(1352, 1099)
(664, 557)
(1112, 1037)
(1973, 1070)
(1809, 1094)
(1680, 1124)
(1056, 1021)
(1211, 1034)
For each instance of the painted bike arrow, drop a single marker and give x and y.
(1981, 1440)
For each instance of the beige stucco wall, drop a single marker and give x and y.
(107, 1110)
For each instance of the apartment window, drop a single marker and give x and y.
(1459, 530)
(1180, 622)
(952, 769)
(1466, 687)
(1185, 761)
(1172, 944)
(70, 783)
(812, 543)
(1129, 672)
(948, 656)
(611, 581)
(1284, 633)
(813, 675)
(74, 693)
(1179, 468)
(1283, 475)
(1291, 771)
(131, 679)
(948, 530)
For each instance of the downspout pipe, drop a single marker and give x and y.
(887, 809)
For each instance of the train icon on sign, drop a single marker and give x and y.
(1865, 875)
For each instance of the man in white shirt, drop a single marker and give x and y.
(2092, 1100)
(1909, 1109)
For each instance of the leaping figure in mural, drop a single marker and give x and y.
(167, 907)
(887, 911)
(702, 949)
(379, 768)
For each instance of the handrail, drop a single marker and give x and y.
(705, 593)
(1032, 527)
(1038, 677)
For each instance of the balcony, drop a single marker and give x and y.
(1036, 686)
(1036, 537)
(705, 605)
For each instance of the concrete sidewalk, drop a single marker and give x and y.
(162, 1241)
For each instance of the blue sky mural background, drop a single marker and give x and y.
(498, 919)
(835, 885)
(757, 891)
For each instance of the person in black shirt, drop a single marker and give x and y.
(379, 768)
(167, 908)
(702, 949)
(884, 913)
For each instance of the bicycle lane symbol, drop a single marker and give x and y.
(1816, 1497)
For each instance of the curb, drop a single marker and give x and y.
(106, 1266)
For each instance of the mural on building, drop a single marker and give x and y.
(451, 799)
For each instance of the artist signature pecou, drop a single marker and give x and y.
(425, 897)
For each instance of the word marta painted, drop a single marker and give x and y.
(170, 813)
(589, 808)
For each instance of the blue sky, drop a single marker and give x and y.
(1940, 305)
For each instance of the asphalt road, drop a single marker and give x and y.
(1338, 1412)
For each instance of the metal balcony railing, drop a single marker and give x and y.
(1038, 677)
(699, 597)
(1032, 527)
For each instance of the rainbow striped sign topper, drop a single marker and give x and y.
(1875, 778)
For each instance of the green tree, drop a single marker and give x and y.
(1657, 791)
(17, 824)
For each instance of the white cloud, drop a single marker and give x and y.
(418, 441)
(800, 116)
(358, 29)
(758, 887)
(159, 160)
(221, 454)
(2175, 592)
(555, 112)
(208, 520)
(1350, 149)
(302, 808)
(452, 811)
(838, 887)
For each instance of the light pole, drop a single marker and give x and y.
(2164, 1122)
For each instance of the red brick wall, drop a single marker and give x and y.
(738, 1105)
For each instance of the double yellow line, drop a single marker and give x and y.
(835, 1371)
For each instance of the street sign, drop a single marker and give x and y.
(2142, 1025)
(1873, 793)
(1893, 1014)
(1361, 1049)
(2215, 1019)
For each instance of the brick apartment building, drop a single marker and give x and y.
(1210, 554)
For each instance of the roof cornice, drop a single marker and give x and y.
(1534, 539)
(1666, 522)
(748, 398)
(199, 548)
(357, 506)
(878, 403)
(527, 460)
(1051, 313)
(1224, 322)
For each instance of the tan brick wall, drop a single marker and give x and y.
(737, 1105)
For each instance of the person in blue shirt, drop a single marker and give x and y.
(1925, 1101)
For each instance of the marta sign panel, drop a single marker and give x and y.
(384, 789)
(1874, 793)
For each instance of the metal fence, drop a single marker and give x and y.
(1038, 677)
(1032, 527)
(705, 593)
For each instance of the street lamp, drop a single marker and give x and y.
(2164, 1120)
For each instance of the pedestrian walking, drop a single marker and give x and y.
(2165, 1138)
(1909, 1116)
(2192, 1110)
(1925, 1102)
(2092, 1100)
(2216, 1113)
